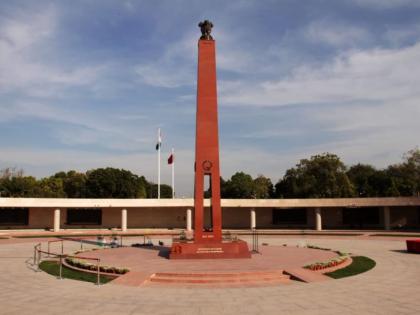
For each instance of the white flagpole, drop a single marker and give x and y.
(159, 145)
(173, 174)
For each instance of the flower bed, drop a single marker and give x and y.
(78, 263)
(333, 262)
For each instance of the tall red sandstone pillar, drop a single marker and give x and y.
(207, 244)
(207, 144)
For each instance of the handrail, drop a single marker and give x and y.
(55, 241)
(38, 257)
(255, 241)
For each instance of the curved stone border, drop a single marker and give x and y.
(112, 275)
(344, 264)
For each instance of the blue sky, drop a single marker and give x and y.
(86, 84)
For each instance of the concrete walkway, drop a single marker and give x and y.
(392, 287)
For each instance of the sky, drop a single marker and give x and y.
(86, 84)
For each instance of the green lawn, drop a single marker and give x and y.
(53, 268)
(360, 264)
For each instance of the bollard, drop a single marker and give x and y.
(81, 245)
(62, 247)
(61, 267)
(48, 249)
(39, 259)
(99, 280)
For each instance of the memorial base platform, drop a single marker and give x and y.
(209, 250)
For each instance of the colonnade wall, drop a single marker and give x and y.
(232, 218)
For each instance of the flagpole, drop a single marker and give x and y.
(173, 174)
(159, 145)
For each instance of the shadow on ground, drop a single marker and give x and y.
(403, 251)
(164, 251)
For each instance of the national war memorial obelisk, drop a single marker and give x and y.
(208, 243)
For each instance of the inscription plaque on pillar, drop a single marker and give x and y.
(208, 242)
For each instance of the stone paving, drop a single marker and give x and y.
(392, 287)
(270, 258)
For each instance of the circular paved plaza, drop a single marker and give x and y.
(392, 287)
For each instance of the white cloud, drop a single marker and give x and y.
(174, 68)
(177, 65)
(24, 63)
(371, 75)
(386, 4)
(398, 36)
(336, 34)
(372, 105)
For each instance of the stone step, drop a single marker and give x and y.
(306, 275)
(221, 275)
(230, 278)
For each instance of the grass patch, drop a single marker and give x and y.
(359, 264)
(53, 268)
(397, 235)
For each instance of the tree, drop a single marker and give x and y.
(240, 186)
(322, 176)
(362, 177)
(142, 187)
(165, 191)
(18, 186)
(112, 183)
(411, 172)
(263, 187)
(50, 187)
(74, 183)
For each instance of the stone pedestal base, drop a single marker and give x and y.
(209, 250)
(413, 246)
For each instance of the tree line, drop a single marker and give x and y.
(320, 176)
(98, 183)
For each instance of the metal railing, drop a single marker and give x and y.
(255, 241)
(38, 252)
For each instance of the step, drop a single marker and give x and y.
(132, 278)
(231, 278)
(220, 275)
(219, 281)
(306, 275)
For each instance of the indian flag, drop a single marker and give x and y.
(159, 142)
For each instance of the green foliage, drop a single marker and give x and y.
(263, 187)
(165, 191)
(14, 184)
(405, 177)
(242, 185)
(74, 183)
(370, 182)
(239, 186)
(53, 268)
(51, 187)
(112, 183)
(322, 176)
(359, 265)
(142, 187)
